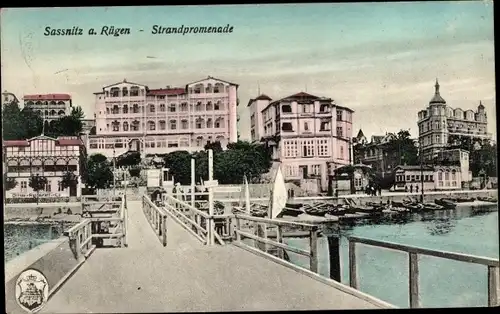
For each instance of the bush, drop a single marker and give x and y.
(69, 212)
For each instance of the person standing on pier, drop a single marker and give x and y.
(416, 188)
(411, 188)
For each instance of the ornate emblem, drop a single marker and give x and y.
(32, 290)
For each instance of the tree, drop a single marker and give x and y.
(92, 130)
(135, 172)
(9, 183)
(20, 124)
(403, 149)
(129, 159)
(99, 174)
(37, 183)
(214, 146)
(239, 159)
(69, 179)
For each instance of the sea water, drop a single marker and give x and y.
(384, 273)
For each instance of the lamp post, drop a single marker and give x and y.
(114, 173)
(421, 175)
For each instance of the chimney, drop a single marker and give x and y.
(168, 86)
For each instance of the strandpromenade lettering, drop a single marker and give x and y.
(115, 31)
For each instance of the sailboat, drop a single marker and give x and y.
(279, 198)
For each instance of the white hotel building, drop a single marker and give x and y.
(313, 134)
(131, 116)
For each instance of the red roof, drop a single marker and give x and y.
(59, 142)
(302, 94)
(48, 97)
(16, 143)
(167, 91)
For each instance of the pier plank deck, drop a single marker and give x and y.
(187, 276)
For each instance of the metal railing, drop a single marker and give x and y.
(261, 225)
(157, 218)
(413, 253)
(81, 234)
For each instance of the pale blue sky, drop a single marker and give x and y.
(380, 59)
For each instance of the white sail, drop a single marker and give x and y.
(279, 194)
(247, 196)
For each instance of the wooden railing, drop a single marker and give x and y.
(267, 225)
(157, 218)
(413, 253)
(81, 235)
(200, 224)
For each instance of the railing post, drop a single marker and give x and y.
(313, 243)
(78, 244)
(238, 228)
(164, 219)
(279, 239)
(353, 277)
(493, 286)
(413, 282)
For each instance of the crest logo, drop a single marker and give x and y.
(32, 290)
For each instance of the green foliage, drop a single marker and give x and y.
(483, 154)
(20, 124)
(135, 172)
(9, 183)
(129, 159)
(69, 179)
(99, 174)
(384, 182)
(24, 124)
(215, 146)
(37, 182)
(240, 158)
(92, 130)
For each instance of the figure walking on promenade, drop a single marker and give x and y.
(416, 188)
(411, 188)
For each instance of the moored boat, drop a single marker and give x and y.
(290, 211)
(446, 203)
(319, 209)
(431, 206)
(413, 207)
(488, 199)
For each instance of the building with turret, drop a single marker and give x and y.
(438, 122)
(311, 135)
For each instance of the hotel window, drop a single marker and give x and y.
(184, 106)
(324, 108)
(116, 126)
(407, 177)
(197, 107)
(59, 186)
(135, 126)
(286, 109)
(316, 169)
(184, 124)
(48, 187)
(162, 107)
(306, 126)
(323, 148)
(339, 131)
(163, 124)
(306, 108)
(151, 108)
(219, 122)
(290, 148)
(358, 182)
(339, 115)
(172, 107)
(125, 109)
(209, 123)
(151, 126)
(417, 177)
(453, 175)
(324, 126)
(308, 148)
(135, 108)
(209, 106)
(173, 124)
(446, 176)
(287, 126)
(199, 123)
(217, 105)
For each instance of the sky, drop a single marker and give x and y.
(379, 59)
